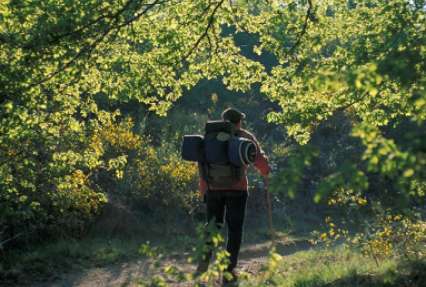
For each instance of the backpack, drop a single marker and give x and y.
(221, 153)
(217, 170)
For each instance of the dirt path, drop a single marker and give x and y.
(252, 258)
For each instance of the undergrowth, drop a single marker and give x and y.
(342, 267)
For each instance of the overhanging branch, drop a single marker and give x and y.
(88, 49)
(309, 16)
(206, 31)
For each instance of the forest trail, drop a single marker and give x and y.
(252, 258)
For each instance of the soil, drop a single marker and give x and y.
(252, 258)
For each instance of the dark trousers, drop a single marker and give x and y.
(231, 206)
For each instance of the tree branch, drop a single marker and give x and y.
(89, 48)
(309, 16)
(206, 31)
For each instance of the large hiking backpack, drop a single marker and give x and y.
(222, 154)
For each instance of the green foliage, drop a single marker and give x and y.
(394, 235)
(293, 168)
(365, 61)
(62, 155)
(342, 64)
(46, 170)
(58, 161)
(157, 178)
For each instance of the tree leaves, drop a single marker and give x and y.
(366, 60)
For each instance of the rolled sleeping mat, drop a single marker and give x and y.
(192, 148)
(241, 151)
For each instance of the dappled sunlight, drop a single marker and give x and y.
(298, 128)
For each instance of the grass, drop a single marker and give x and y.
(342, 267)
(319, 267)
(48, 259)
(313, 268)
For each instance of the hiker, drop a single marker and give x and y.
(228, 201)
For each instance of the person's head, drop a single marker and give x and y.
(234, 116)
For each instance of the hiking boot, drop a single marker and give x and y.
(230, 279)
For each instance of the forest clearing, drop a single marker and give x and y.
(213, 143)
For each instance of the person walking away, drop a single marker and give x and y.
(229, 202)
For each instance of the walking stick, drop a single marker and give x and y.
(269, 207)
